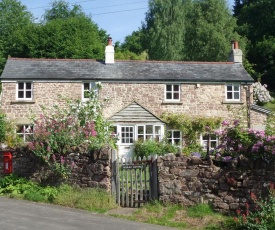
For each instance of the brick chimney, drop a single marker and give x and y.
(236, 54)
(109, 52)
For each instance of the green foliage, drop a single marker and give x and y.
(261, 218)
(149, 147)
(164, 29)
(255, 20)
(190, 126)
(65, 33)
(61, 10)
(90, 199)
(200, 210)
(7, 134)
(209, 29)
(58, 131)
(186, 30)
(3, 124)
(20, 187)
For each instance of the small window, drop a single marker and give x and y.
(24, 91)
(174, 137)
(172, 93)
(87, 88)
(127, 134)
(213, 141)
(25, 132)
(233, 92)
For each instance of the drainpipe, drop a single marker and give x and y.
(248, 103)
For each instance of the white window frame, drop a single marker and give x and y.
(92, 85)
(172, 139)
(156, 134)
(131, 138)
(233, 91)
(203, 141)
(172, 92)
(25, 131)
(24, 90)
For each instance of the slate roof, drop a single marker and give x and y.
(261, 109)
(80, 69)
(134, 113)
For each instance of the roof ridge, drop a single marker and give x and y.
(96, 60)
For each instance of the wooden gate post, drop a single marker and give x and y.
(154, 178)
(114, 172)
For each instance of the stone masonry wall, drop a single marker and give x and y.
(191, 180)
(45, 94)
(88, 169)
(205, 100)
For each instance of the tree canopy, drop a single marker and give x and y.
(256, 20)
(190, 30)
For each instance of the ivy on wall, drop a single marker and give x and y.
(191, 126)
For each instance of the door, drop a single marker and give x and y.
(126, 145)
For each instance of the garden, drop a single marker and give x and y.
(61, 130)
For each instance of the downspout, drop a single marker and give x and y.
(248, 103)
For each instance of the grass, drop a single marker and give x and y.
(197, 217)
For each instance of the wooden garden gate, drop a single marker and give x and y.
(134, 181)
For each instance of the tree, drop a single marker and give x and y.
(65, 33)
(209, 30)
(191, 30)
(61, 10)
(164, 29)
(256, 22)
(13, 18)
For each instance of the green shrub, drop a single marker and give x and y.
(147, 148)
(261, 217)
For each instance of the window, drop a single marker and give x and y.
(127, 134)
(174, 137)
(172, 93)
(87, 88)
(149, 132)
(212, 144)
(25, 132)
(24, 90)
(233, 92)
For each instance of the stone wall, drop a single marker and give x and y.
(88, 169)
(205, 100)
(190, 180)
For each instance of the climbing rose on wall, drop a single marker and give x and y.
(260, 93)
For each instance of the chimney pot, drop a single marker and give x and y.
(236, 45)
(110, 41)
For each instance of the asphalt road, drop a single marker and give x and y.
(20, 215)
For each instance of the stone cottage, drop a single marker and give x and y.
(138, 91)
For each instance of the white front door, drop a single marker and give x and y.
(126, 142)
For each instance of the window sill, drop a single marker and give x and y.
(23, 102)
(171, 103)
(233, 102)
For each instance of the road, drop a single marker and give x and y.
(25, 215)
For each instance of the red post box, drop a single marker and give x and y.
(7, 162)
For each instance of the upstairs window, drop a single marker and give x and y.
(233, 92)
(87, 88)
(172, 92)
(24, 91)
